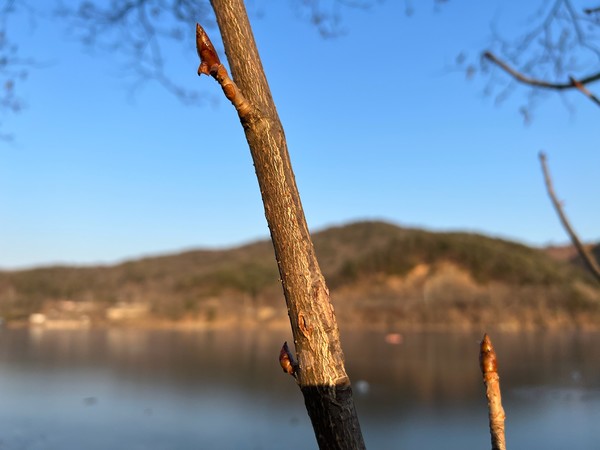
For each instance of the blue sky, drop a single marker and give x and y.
(377, 127)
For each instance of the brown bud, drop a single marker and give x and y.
(286, 360)
(206, 51)
(487, 356)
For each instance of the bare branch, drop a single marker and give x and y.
(583, 251)
(540, 83)
(585, 91)
(320, 371)
(558, 41)
(592, 10)
(572, 84)
(139, 31)
(14, 68)
(489, 369)
(326, 15)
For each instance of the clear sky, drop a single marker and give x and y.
(377, 128)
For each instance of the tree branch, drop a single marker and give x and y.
(558, 40)
(535, 82)
(585, 254)
(585, 91)
(13, 68)
(489, 369)
(319, 370)
(572, 84)
(592, 10)
(139, 31)
(326, 15)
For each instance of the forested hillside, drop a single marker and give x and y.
(379, 275)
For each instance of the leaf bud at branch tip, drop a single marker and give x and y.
(209, 60)
(487, 356)
(211, 65)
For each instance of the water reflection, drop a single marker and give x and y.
(139, 389)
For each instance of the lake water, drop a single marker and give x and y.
(140, 389)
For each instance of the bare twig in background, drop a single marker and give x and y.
(572, 84)
(583, 251)
(584, 90)
(141, 32)
(489, 370)
(558, 41)
(592, 10)
(536, 82)
(13, 67)
(326, 15)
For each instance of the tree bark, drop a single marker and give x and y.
(320, 370)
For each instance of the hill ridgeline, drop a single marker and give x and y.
(379, 275)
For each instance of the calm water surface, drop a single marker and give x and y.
(131, 389)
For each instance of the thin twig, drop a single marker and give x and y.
(572, 84)
(585, 91)
(489, 369)
(585, 254)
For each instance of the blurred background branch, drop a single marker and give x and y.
(583, 251)
(14, 67)
(142, 33)
(561, 39)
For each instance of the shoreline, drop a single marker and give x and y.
(399, 327)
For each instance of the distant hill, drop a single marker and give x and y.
(379, 275)
(569, 253)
